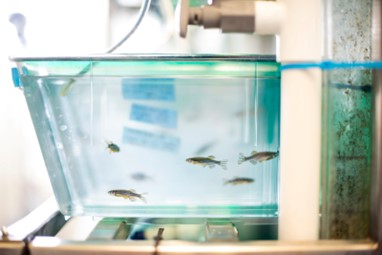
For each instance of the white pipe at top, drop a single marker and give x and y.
(298, 24)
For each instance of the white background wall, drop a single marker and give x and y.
(53, 27)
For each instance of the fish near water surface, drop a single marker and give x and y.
(209, 161)
(257, 157)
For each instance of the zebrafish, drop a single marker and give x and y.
(239, 180)
(209, 161)
(130, 194)
(257, 157)
(112, 147)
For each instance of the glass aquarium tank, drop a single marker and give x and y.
(158, 136)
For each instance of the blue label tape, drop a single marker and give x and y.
(152, 115)
(16, 77)
(150, 140)
(148, 89)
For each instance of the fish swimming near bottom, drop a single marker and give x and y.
(130, 194)
(209, 161)
(239, 181)
(257, 157)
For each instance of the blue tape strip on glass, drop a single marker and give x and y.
(16, 77)
(152, 115)
(327, 65)
(150, 140)
(148, 89)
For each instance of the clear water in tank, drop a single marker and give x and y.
(134, 135)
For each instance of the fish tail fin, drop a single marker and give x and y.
(143, 198)
(223, 164)
(241, 158)
(225, 181)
